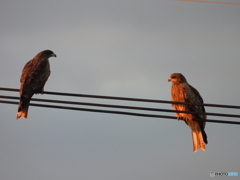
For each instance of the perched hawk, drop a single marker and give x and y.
(181, 91)
(34, 76)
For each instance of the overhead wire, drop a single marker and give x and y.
(120, 106)
(211, 2)
(127, 99)
(121, 112)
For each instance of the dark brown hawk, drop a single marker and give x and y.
(181, 91)
(34, 76)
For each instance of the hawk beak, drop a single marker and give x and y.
(54, 55)
(169, 79)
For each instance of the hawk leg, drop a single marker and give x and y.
(40, 90)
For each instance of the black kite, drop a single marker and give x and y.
(34, 76)
(181, 91)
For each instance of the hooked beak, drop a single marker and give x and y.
(54, 55)
(169, 80)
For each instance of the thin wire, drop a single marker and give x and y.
(210, 2)
(121, 112)
(127, 99)
(122, 107)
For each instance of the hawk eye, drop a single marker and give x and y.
(173, 77)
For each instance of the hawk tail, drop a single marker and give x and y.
(198, 138)
(204, 135)
(198, 141)
(23, 108)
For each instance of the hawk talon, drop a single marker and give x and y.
(42, 92)
(179, 118)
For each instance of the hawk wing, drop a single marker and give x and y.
(193, 96)
(34, 75)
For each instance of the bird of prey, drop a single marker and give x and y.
(34, 76)
(181, 91)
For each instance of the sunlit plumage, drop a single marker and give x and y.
(181, 91)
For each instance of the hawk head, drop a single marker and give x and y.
(177, 78)
(46, 54)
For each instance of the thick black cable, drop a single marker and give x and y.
(121, 107)
(120, 112)
(126, 99)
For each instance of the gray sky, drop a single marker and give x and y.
(118, 48)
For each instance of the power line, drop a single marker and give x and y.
(127, 99)
(121, 112)
(122, 107)
(211, 2)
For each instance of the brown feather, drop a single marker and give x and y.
(34, 76)
(181, 91)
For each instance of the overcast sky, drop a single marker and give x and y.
(118, 48)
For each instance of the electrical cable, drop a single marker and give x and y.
(122, 107)
(121, 112)
(126, 98)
